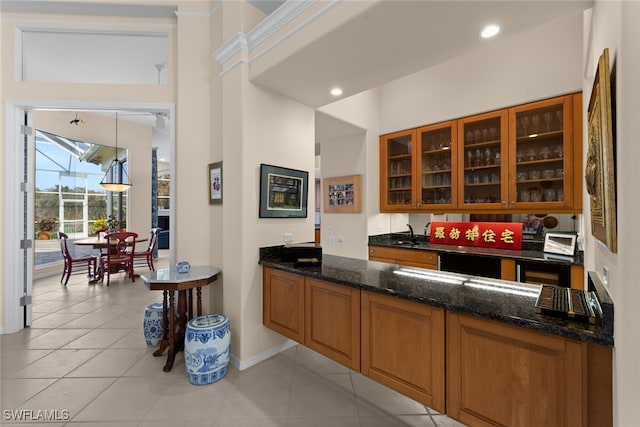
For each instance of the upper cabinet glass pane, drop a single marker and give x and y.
(540, 168)
(91, 57)
(437, 166)
(399, 170)
(483, 161)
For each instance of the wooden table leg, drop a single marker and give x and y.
(199, 300)
(190, 304)
(171, 354)
(182, 320)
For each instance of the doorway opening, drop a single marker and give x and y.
(72, 199)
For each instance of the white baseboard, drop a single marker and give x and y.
(244, 364)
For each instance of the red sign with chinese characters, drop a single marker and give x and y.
(499, 235)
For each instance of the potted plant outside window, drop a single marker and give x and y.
(46, 225)
(99, 224)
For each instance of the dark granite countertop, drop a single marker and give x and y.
(531, 250)
(508, 302)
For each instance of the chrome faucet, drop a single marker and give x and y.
(427, 229)
(411, 236)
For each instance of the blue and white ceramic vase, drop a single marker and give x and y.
(207, 343)
(152, 324)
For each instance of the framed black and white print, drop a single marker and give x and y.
(283, 192)
(215, 183)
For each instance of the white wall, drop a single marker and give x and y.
(362, 111)
(538, 64)
(273, 130)
(345, 156)
(258, 126)
(614, 24)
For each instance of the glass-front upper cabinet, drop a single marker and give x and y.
(482, 163)
(437, 166)
(542, 148)
(397, 165)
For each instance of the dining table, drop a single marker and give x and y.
(99, 242)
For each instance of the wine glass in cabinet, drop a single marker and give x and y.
(397, 166)
(437, 182)
(482, 164)
(541, 143)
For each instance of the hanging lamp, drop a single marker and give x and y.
(121, 182)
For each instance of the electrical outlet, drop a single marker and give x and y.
(379, 229)
(287, 237)
(605, 275)
(340, 240)
(330, 240)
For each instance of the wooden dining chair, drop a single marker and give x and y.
(70, 262)
(119, 257)
(147, 255)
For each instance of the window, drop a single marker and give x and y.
(94, 57)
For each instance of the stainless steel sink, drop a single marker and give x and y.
(404, 243)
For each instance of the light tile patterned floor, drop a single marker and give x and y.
(85, 356)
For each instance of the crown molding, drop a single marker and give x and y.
(236, 43)
(276, 20)
(272, 23)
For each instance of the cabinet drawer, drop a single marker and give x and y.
(413, 257)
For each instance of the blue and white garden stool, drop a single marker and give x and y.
(207, 343)
(152, 325)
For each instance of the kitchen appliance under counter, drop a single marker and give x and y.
(530, 264)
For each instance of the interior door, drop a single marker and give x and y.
(18, 219)
(28, 216)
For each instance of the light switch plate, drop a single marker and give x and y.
(287, 237)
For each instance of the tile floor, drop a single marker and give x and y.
(84, 362)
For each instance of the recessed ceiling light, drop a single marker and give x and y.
(490, 31)
(336, 91)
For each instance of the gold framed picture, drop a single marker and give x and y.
(600, 174)
(343, 194)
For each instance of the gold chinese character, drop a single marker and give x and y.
(454, 234)
(507, 236)
(489, 236)
(440, 233)
(472, 234)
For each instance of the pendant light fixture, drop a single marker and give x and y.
(121, 182)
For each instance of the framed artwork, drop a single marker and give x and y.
(215, 183)
(283, 192)
(343, 194)
(600, 168)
